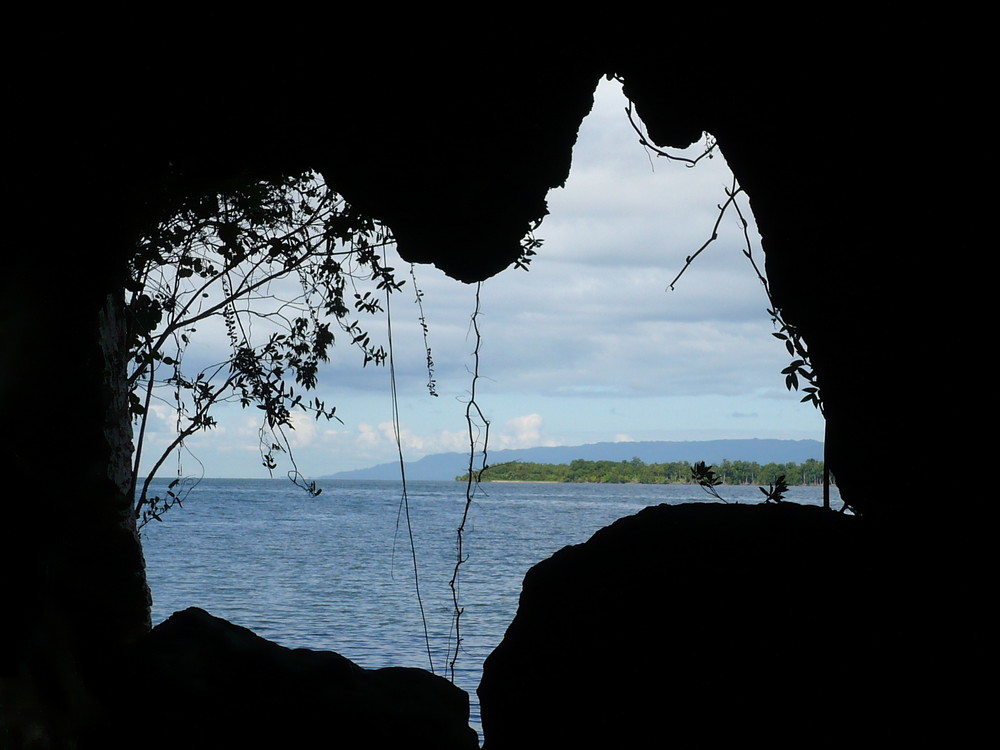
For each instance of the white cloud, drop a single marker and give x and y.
(381, 439)
(588, 337)
(368, 437)
(526, 431)
(305, 431)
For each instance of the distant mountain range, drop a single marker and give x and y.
(444, 466)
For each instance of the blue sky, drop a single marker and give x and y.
(586, 346)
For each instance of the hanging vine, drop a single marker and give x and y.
(419, 300)
(478, 429)
(800, 371)
(404, 500)
(801, 366)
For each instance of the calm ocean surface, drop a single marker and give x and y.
(335, 572)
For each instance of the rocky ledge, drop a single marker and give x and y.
(711, 625)
(198, 681)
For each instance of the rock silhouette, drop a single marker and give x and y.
(119, 152)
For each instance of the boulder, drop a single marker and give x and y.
(701, 625)
(200, 681)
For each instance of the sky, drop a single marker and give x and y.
(586, 346)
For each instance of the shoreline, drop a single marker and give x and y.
(646, 484)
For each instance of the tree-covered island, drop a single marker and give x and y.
(638, 472)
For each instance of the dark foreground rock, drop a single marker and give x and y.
(709, 625)
(199, 681)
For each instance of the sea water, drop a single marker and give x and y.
(365, 571)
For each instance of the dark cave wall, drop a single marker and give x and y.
(73, 567)
(96, 158)
(459, 174)
(832, 240)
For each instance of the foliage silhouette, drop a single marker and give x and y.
(776, 492)
(706, 478)
(279, 262)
